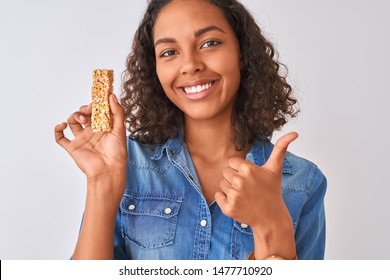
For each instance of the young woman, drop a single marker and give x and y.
(198, 177)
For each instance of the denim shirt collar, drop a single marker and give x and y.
(170, 148)
(258, 154)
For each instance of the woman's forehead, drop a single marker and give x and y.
(180, 15)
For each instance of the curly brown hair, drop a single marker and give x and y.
(264, 99)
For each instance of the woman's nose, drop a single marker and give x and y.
(192, 64)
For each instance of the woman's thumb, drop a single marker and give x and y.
(118, 126)
(275, 160)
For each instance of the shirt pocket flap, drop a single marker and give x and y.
(149, 220)
(243, 228)
(163, 206)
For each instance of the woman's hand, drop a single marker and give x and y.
(252, 195)
(102, 156)
(99, 154)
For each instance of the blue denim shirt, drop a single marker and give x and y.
(164, 215)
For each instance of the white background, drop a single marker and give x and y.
(338, 57)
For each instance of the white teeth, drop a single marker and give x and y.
(197, 89)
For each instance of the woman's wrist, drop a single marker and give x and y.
(275, 239)
(106, 189)
(272, 257)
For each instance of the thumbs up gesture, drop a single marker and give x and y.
(252, 195)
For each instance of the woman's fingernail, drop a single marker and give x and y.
(82, 119)
(115, 99)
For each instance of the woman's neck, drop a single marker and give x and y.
(210, 139)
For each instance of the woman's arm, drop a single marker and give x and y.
(310, 231)
(252, 195)
(102, 156)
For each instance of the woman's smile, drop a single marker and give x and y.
(198, 90)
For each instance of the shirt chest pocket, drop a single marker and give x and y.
(150, 220)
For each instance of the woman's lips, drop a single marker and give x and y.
(199, 91)
(198, 88)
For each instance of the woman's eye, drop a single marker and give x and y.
(210, 44)
(168, 53)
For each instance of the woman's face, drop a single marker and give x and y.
(197, 59)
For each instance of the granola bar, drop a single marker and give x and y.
(101, 90)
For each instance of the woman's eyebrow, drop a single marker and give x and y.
(197, 33)
(207, 29)
(165, 40)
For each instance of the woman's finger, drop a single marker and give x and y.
(229, 173)
(86, 110)
(60, 137)
(76, 122)
(221, 199)
(225, 186)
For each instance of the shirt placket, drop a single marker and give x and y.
(202, 238)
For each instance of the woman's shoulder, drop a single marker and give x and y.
(138, 151)
(141, 151)
(297, 163)
(305, 174)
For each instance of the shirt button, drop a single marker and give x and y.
(203, 223)
(168, 211)
(131, 207)
(244, 225)
(171, 152)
